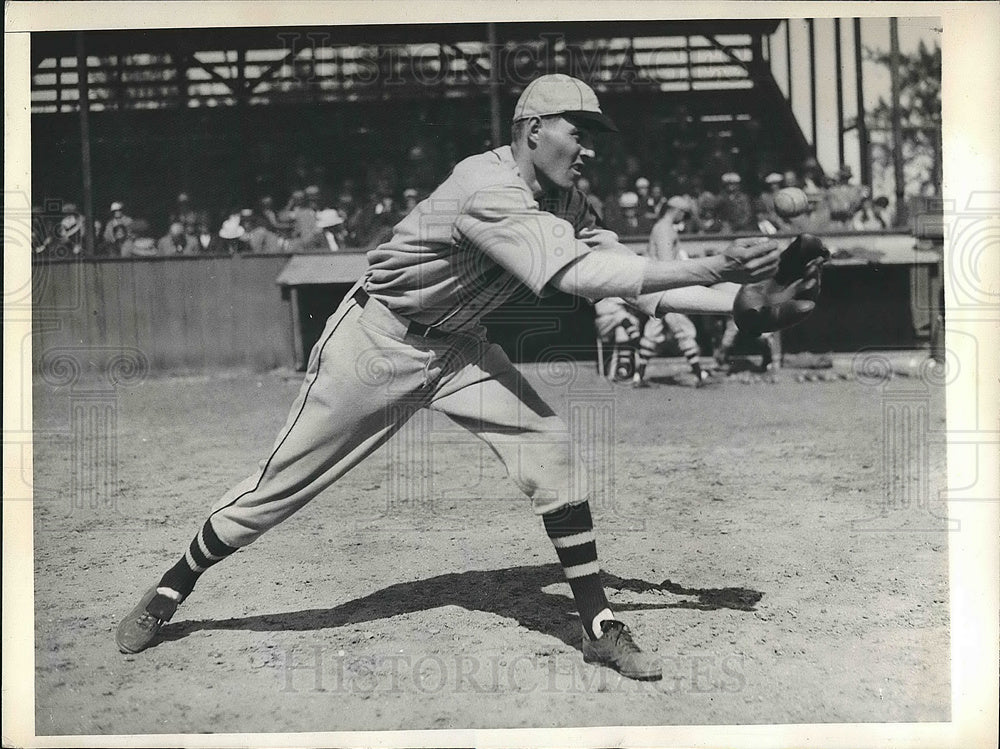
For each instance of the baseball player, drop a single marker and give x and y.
(408, 337)
(664, 245)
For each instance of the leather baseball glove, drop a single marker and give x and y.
(788, 297)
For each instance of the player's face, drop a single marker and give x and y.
(561, 149)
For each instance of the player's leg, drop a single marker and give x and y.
(616, 324)
(721, 354)
(491, 398)
(653, 337)
(360, 387)
(686, 336)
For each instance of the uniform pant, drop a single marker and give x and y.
(365, 378)
(680, 328)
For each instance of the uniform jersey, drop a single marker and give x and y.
(473, 242)
(664, 242)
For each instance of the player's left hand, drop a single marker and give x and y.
(788, 297)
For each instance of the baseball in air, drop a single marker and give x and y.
(790, 202)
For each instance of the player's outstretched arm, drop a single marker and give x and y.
(601, 274)
(690, 300)
(745, 260)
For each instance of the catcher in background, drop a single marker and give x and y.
(637, 338)
(664, 244)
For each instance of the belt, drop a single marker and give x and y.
(413, 328)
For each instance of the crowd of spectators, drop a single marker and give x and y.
(316, 218)
(310, 220)
(726, 205)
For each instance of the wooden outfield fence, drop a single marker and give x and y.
(182, 313)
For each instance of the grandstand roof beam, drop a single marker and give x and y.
(213, 74)
(727, 52)
(270, 71)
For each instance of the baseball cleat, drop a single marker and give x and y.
(138, 630)
(639, 382)
(616, 649)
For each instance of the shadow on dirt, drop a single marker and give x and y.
(514, 592)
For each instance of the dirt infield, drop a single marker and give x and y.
(807, 570)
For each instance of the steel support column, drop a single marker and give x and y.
(83, 87)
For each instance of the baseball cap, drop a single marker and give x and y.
(731, 178)
(679, 202)
(116, 206)
(562, 94)
(642, 183)
(774, 177)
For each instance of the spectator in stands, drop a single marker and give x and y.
(373, 223)
(177, 242)
(768, 220)
(881, 207)
(817, 219)
(867, 218)
(68, 239)
(647, 210)
(813, 178)
(231, 239)
(333, 228)
(410, 199)
(261, 239)
(125, 245)
(735, 209)
(656, 202)
(202, 234)
(71, 209)
(117, 218)
(791, 179)
(183, 212)
(265, 209)
(583, 184)
(613, 199)
(304, 217)
(844, 199)
(691, 188)
(347, 204)
(287, 214)
(625, 220)
(314, 198)
(708, 217)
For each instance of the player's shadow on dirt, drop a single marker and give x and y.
(514, 592)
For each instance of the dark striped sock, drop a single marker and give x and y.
(571, 529)
(692, 353)
(205, 550)
(647, 348)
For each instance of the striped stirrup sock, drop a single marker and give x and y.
(571, 529)
(205, 550)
